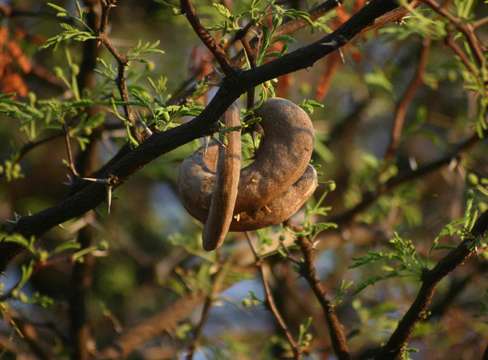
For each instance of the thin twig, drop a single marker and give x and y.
(336, 329)
(369, 197)
(451, 43)
(122, 64)
(252, 61)
(207, 305)
(290, 26)
(67, 142)
(406, 100)
(463, 27)
(481, 22)
(297, 352)
(188, 9)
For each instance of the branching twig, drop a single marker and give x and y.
(290, 26)
(369, 197)
(430, 279)
(297, 352)
(466, 29)
(336, 329)
(449, 41)
(69, 152)
(31, 145)
(207, 305)
(219, 53)
(407, 98)
(122, 63)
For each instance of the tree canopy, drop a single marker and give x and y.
(101, 102)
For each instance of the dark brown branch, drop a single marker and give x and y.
(430, 279)
(290, 26)
(166, 320)
(407, 98)
(81, 275)
(217, 51)
(128, 161)
(368, 198)
(336, 329)
(270, 303)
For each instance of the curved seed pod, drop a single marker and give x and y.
(274, 186)
(281, 208)
(282, 157)
(224, 194)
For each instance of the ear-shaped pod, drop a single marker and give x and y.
(274, 186)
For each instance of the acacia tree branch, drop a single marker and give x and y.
(290, 26)
(207, 305)
(466, 29)
(430, 278)
(131, 160)
(122, 64)
(270, 303)
(188, 9)
(369, 197)
(336, 329)
(451, 43)
(166, 320)
(407, 98)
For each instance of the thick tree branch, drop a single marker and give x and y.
(91, 195)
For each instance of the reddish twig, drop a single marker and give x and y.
(290, 26)
(331, 66)
(336, 329)
(219, 53)
(406, 100)
(451, 43)
(297, 352)
(430, 279)
(466, 29)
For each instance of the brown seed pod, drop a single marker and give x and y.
(224, 195)
(274, 186)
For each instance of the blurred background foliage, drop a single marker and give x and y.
(146, 255)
